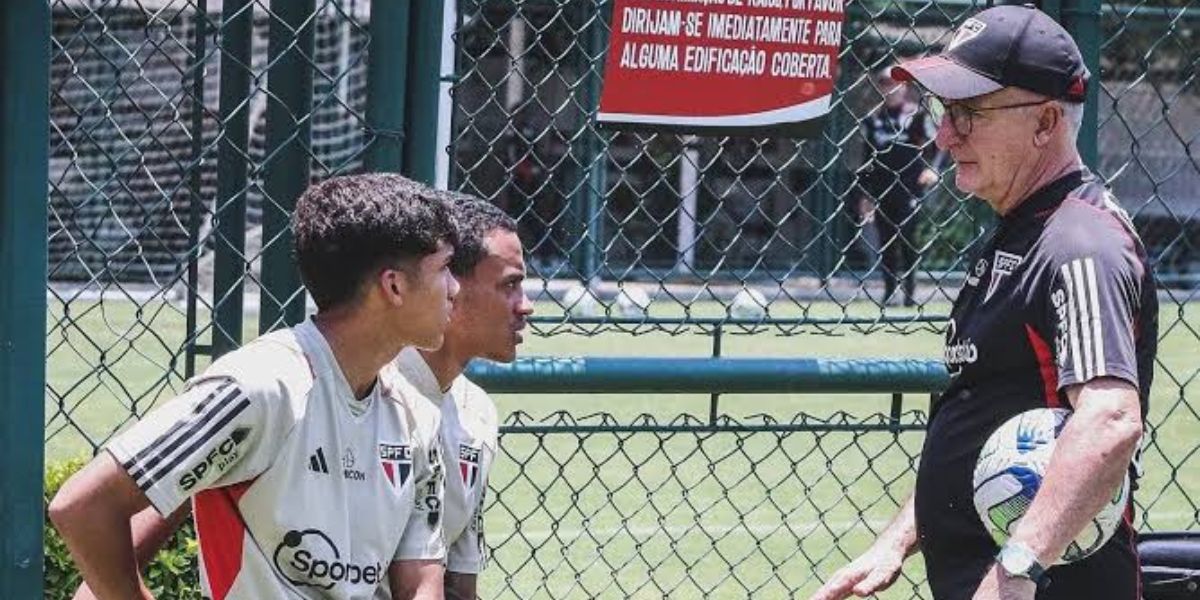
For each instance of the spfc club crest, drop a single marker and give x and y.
(1003, 265)
(468, 464)
(396, 460)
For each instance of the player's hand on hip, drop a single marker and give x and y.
(874, 571)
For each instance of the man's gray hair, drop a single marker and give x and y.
(1073, 113)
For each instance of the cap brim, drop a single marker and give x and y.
(945, 78)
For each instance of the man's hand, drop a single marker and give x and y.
(91, 511)
(997, 585)
(874, 571)
(879, 567)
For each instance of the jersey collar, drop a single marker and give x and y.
(322, 360)
(414, 368)
(1039, 204)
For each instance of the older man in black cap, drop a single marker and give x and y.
(1059, 310)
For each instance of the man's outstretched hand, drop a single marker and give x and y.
(872, 572)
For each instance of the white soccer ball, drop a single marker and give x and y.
(632, 302)
(1009, 473)
(748, 304)
(579, 301)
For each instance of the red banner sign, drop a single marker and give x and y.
(722, 66)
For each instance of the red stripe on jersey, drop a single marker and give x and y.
(1045, 360)
(221, 532)
(388, 470)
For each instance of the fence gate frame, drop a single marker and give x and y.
(24, 196)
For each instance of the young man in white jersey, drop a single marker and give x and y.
(310, 475)
(489, 314)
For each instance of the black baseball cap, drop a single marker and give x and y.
(1004, 46)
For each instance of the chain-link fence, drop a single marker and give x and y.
(649, 230)
(1148, 126)
(182, 130)
(179, 140)
(598, 506)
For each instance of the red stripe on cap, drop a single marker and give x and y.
(221, 532)
(1077, 89)
(1045, 360)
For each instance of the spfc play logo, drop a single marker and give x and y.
(396, 460)
(468, 464)
(1003, 265)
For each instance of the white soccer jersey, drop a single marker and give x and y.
(299, 490)
(469, 435)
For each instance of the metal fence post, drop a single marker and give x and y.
(587, 226)
(24, 171)
(287, 164)
(195, 72)
(229, 260)
(423, 89)
(387, 76)
(1081, 18)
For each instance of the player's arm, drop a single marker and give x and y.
(460, 586)
(417, 568)
(878, 568)
(416, 579)
(211, 435)
(1091, 458)
(465, 558)
(1093, 303)
(150, 533)
(91, 512)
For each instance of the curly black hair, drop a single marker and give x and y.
(474, 219)
(347, 228)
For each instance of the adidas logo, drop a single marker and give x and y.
(316, 462)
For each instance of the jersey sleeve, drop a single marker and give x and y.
(422, 538)
(1093, 302)
(218, 432)
(468, 554)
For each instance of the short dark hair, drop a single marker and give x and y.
(347, 228)
(474, 219)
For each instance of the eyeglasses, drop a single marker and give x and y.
(962, 117)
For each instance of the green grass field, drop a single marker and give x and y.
(666, 514)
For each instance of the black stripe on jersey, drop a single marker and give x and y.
(152, 447)
(198, 427)
(187, 452)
